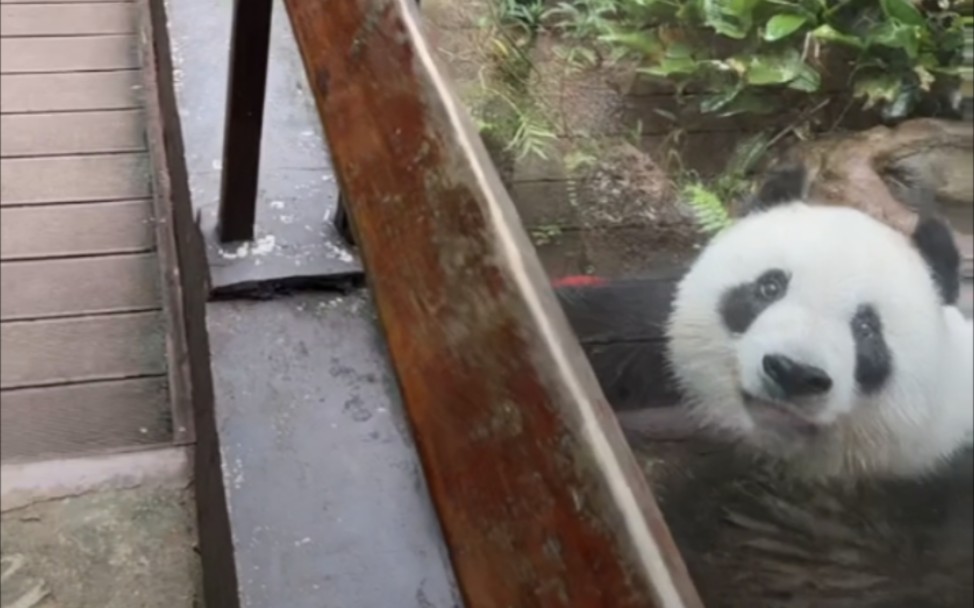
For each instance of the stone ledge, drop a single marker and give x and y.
(26, 483)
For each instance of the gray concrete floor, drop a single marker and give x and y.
(129, 548)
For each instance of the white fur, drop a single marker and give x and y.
(838, 259)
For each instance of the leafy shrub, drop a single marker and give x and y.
(898, 51)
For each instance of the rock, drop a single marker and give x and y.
(628, 188)
(922, 165)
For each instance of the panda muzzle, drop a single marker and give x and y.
(795, 380)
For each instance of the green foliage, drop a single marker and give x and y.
(520, 123)
(506, 110)
(733, 182)
(967, 72)
(707, 206)
(738, 51)
(519, 13)
(739, 48)
(532, 136)
(543, 235)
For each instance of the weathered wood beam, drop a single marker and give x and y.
(540, 500)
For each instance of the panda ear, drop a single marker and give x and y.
(783, 184)
(935, 241)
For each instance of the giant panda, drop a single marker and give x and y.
(825, 340)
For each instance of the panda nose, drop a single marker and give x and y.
(796, 379)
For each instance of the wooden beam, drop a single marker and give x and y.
(540, 500)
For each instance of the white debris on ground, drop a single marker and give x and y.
(260, 246)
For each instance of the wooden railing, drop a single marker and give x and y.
(539, 497)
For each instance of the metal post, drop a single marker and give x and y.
(249, 46)
(341, 221)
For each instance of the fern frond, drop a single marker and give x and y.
(709, 211)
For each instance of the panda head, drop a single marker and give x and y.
(816, 333)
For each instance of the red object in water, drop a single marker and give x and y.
(579, 280)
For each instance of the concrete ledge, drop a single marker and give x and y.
(28, 483)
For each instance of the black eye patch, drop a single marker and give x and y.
(935, 241)
(741, 305)
(874, 362)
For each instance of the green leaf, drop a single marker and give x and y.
(903, 11)
(808, 80)
(644, 42)
(677, 61)
(782, 26)
(929, 61)
(670, 116)
(924, 77)
(717, 101)
(749, 102)
(827, 33)
(679, 50)
(896, 36)
(771, 69)
(717, 66)
(900, 107)
(949, 71)
(670, 66)
(731, 18)
(877, 89)
(746, 154)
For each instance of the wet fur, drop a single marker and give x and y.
(838, 258)
(756, 537)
